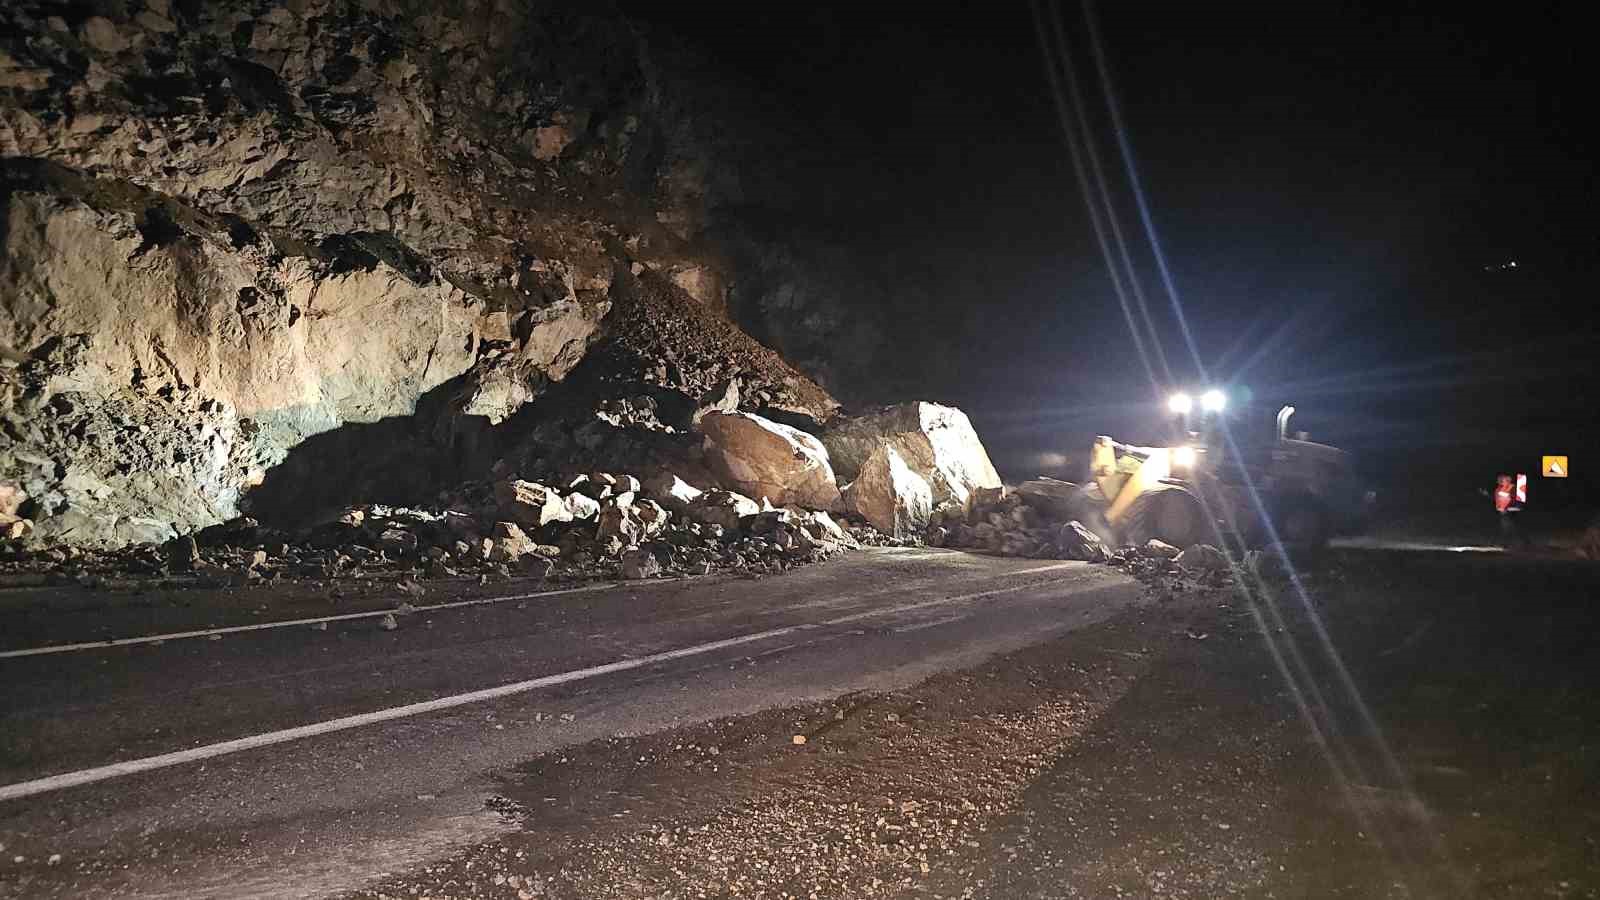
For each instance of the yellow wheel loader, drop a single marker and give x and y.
(1221, 484)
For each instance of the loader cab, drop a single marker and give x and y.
(1257, 463)
(1301, 473)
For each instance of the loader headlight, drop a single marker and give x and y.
(1213, 401)
(1180, 404)
(1183, 457)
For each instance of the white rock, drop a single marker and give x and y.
(828, 529)
(530, 503)
(582, 508)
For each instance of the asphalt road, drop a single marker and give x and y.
(293, 761)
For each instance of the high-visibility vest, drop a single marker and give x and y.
(1502, 499)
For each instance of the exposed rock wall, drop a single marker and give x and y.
(162, 381)
(238, 233)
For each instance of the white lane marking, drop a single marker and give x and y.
(932, 623)
(210, 751)
(345, 617)
(286, 623)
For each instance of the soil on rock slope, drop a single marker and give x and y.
(685, 347)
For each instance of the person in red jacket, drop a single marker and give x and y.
(1506, 506)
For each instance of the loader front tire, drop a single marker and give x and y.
(1174, 517)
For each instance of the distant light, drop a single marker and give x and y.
(1180, 404)
(1213, 401)
(1183, 456)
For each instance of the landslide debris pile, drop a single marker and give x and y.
(763, 497)
(264, 257)
(331, 286)
(598, 525)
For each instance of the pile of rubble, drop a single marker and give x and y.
(596, 526)
(765, 497)
(1037, 521)
(1002, 521)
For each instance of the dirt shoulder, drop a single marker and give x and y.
(1165, 753)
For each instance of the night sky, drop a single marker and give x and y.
(1338, 189)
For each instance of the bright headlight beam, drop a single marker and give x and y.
(1183, 456)
(1213, 401)
(1180, 404)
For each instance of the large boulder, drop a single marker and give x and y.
(1057, 499)
(766, 459)
(936, 442)
(888, 494)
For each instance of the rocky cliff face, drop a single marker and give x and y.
(258, 250)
